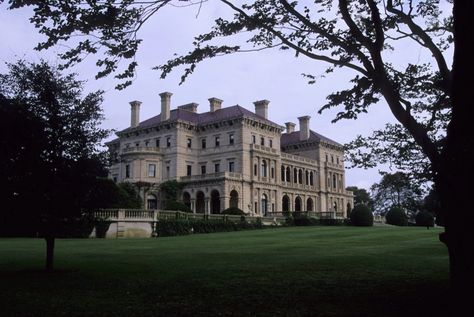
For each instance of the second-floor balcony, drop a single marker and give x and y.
(141, 150)
(212, 176)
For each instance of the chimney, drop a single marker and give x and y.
(304, 127)
(261, 108)
(290, 127)
(215, 104)
(191, 107)
(165, 105)
(135, 113)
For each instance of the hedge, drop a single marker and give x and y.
(177, 227)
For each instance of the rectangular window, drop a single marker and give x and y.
(273, 172)
(262, 141)
(127, 171)
(254, 139)
(218, 141)
(189, 170)
(189, 143)
(167, 172)
(168, 142)
(203, 143)
(152, 170)
(203, 169)
(255, 169)
(270, 143)
(157, 142)
(217, 168)
(231, 166)
(231, 139)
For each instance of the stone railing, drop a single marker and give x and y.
(314, 214)
(263, 148)
(141, 149)
(211, 176)
(298, 158)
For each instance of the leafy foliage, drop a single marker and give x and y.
(361, 196)
(177, 206)
(424, 219)
(362, 216)
(398, 190)
(396, 216)
(233, 211)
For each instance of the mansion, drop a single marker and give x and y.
(230, 156)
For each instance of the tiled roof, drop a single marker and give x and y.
(206, 117)
(294, 138)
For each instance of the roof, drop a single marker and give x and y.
(206, 117)
(294, 138)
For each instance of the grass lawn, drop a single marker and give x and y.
(298, 271)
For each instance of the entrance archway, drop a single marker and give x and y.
(298, 204)
(264, 205)
(187, 199)
(285, 203)
(309, 205)
(215, 202)
(234, 199)
(151, 202)
(200, 203)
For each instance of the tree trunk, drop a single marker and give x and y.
(49, 253)
(457, 166)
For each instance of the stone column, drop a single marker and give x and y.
(193, 205)
(207, 209)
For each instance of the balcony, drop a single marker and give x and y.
(212, 176)
(141, 150)
(264, 149)
(297, 158)
(334, 165)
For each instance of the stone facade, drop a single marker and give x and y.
(230, 156)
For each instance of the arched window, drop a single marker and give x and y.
(298, 206)
(334, 181)
(288, 174)
(234, 199)
(300, 177)
(311, 179)
(200, 203)
(282, 173)
(335, 206)
(307, 177)
(295, 176)
(151, 202)
(263, 171)
(215, 202)
(187, 199)
(264, 205)
(285, 203)
(309, 205)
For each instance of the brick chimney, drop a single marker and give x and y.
(215, 104)
(165, 105)
(261, 108)
(290, 127)
(304, 127)
(135, 113)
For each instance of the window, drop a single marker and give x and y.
(203, 169)
(137, 144)
(270, 143)
(327, 158)
(231, 166)
(168, 142)
(203, 143)
(217, 168)
(262, 141)
(151, 170)
(218, 141)
(254, 139)
(255, 169)
(189, 142)
(167, 172)
(337, 159)
(272, 172)
(115, 179)
(147, 143)
(334, 181)
(188, 170)
(127, 171)
(231, 139)
(263, 172)
(332, 159)
(157, 142)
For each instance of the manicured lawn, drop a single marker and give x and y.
(311, 271)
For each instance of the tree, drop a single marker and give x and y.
(428, 99)
(56, 170)
(396, 190)
(361, 196)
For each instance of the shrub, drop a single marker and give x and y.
(101, 227)
(396, 216)
(177, 206)
(424, 219)
(233, 211)
(362, 216)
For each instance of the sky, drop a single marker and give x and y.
(237, 79)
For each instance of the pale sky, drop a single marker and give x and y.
(237, 79)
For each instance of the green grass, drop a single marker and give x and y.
(310, 271)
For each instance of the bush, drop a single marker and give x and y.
(424, 219)
(177, 206)
(362, 216)
(396, 216)
(233, 211)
